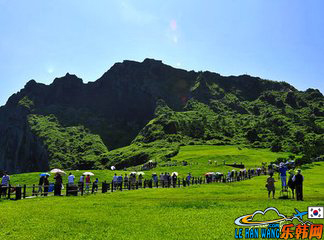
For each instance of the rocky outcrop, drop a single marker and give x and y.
(118, 105)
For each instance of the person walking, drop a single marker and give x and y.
(88, 181)
(155, 179)
(95, 185)
(174, 180)
(126, 181)
(40, 184)
(271, 186)
(58, 184)
(81, 183)
(188, 179)
(291, 183)
(5, 184)
(46, 185)
(120, 181)
(140, 180)
(115, 181)
(298, 179)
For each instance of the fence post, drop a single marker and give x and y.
(24, 192)
(18, 192)
(33, 190)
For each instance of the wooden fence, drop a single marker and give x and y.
(23, 191)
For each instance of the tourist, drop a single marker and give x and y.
(291, 183)
(5, 183)
(174, 180)
(126, 181)
(140, 180)
(46, 185)
(298, 180)
(155, 179)
(115, 179)
(71, 179)
(120, 181)
(282, 170)
(81, 183)
(88, 181)
(58, 184)
(40, 184)
(271, 186)
(95, 185)
(162, 179)
(188, 179)
(229, 176)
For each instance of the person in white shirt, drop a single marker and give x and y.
(71, 179)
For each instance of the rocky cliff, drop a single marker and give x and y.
(121, 108)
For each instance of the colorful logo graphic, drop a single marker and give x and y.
(270, 229)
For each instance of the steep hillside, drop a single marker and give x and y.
(149, 109)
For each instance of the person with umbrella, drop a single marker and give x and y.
(58, 184)
(41, 182)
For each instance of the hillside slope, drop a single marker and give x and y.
(143, 106)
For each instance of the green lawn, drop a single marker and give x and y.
(197, 212)
(196, 156)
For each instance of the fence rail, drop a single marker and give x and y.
(23, 191)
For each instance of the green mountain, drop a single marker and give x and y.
(141, 111)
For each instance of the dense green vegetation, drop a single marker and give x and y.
(144, 111)
(68, 147)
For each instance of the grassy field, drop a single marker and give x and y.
(196, 156)
(197, 212)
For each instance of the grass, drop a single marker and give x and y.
(197, 212)
(196, 156)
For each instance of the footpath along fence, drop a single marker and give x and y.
(19, 192)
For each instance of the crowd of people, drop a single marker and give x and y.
(295, 182)
(132, 180)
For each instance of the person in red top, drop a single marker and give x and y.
(88, 183)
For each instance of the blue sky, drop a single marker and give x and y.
(278, 40)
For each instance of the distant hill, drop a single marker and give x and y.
(141, 111)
